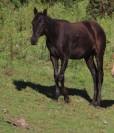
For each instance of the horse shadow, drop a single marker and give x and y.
(49, 91)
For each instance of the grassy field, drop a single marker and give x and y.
(27, 91)
(27, 85)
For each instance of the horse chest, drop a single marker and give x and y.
(54, 50)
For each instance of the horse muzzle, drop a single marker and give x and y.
(33, 41)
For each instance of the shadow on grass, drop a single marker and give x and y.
(49, 91)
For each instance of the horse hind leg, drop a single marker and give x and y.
(99, 62)
(92, 67)
(100, 46)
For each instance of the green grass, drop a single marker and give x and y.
(44, 114)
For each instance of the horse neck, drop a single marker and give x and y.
(50, 28)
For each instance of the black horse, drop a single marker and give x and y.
(67, 40)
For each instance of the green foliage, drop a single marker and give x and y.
(70, 3)
(99, 8)
(15, 25)
(17, 3)
(16, 29)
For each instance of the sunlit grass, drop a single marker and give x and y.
(45, 115)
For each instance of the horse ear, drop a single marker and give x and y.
(45, 12)
(35, 11)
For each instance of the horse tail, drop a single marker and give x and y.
(100, 38)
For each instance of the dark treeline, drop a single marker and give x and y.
(100, 8)
(94, 9)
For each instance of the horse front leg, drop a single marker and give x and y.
(54, 61)
(61, 79)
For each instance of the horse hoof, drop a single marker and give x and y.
(66, 99)
(95, 104)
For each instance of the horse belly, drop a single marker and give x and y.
(82, 46)
(79, 53)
